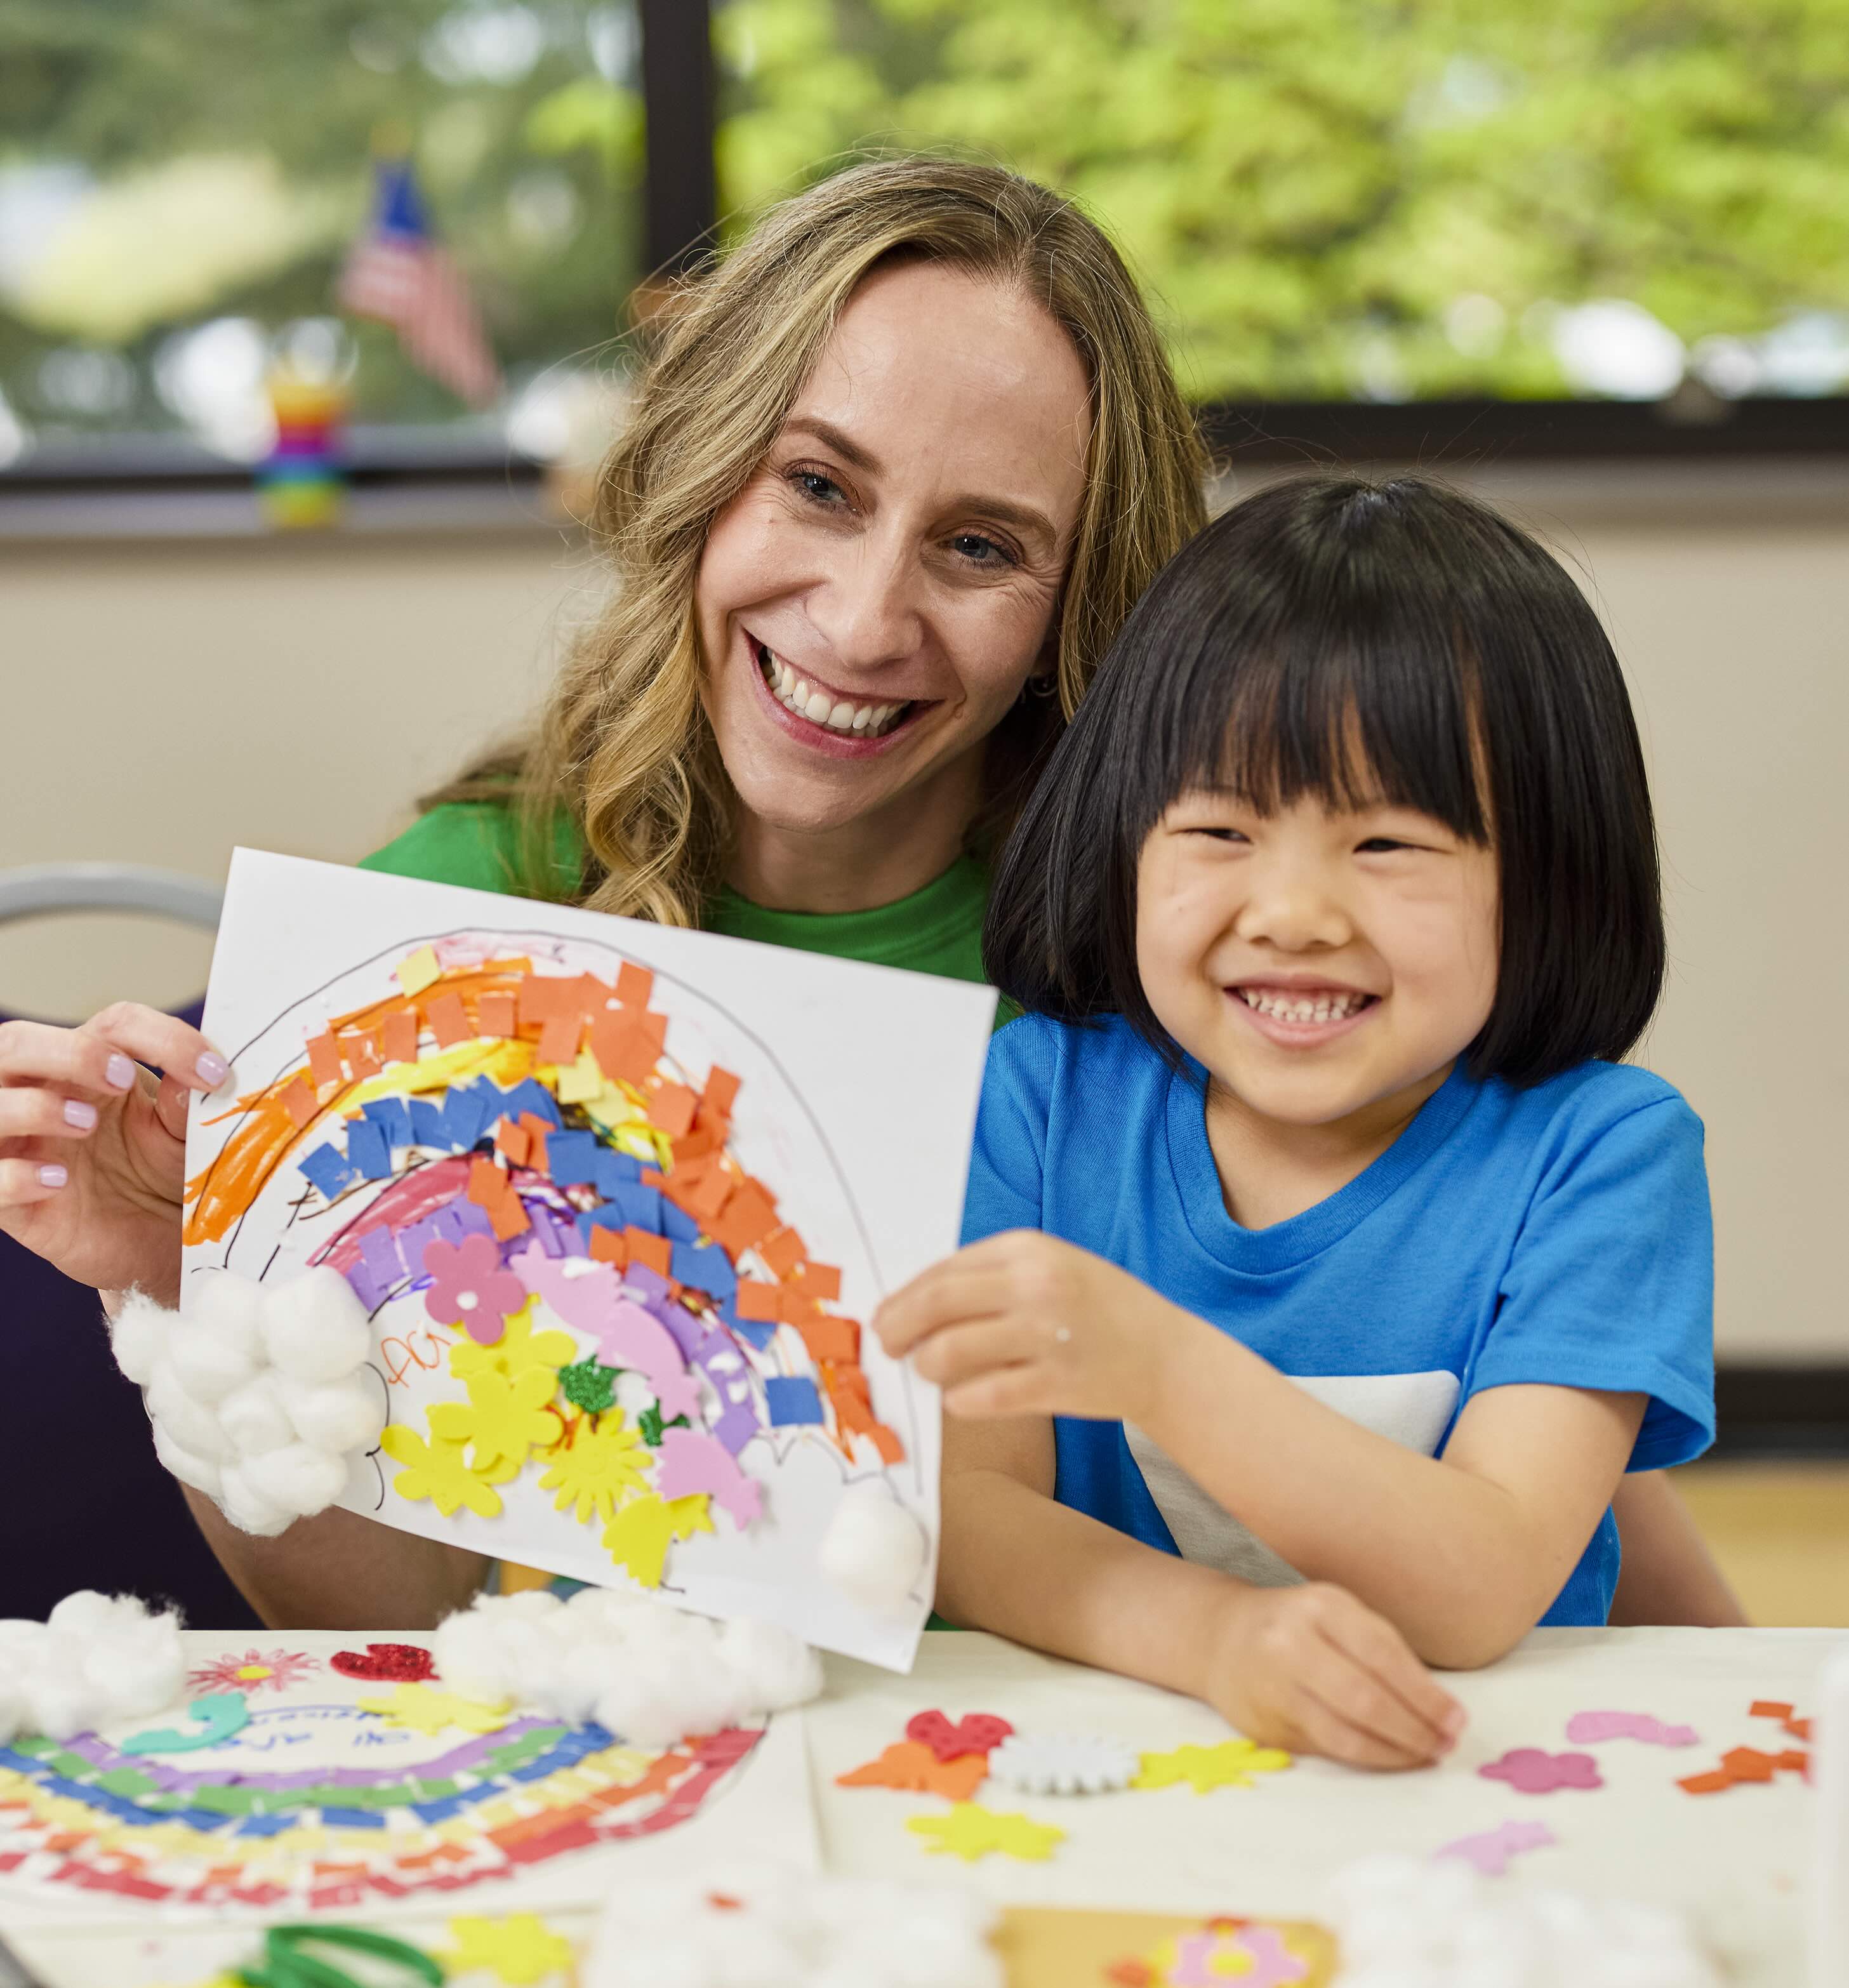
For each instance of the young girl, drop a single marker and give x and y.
(1316, 1233)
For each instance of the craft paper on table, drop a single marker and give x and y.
(619, 1198)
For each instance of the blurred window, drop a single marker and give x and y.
(1378, 200)
(181, 181)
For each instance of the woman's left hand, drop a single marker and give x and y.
(1022, 1323)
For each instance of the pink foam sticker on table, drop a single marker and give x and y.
(1491, 1851)
(1583, 1727)
(1267, 1962)
(1529, 1771)
(690, 1461)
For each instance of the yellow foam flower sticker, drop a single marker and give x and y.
(436, 1470)
(970, 1832)
(602, 1464)
(637, 1538)
(689, 1515)
(521, 1949)
(503, 1419)
(517, 1349)
(422, 1709)
(1231, 1764)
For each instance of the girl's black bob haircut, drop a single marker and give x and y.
(1359, 641)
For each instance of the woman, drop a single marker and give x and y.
(890, 486)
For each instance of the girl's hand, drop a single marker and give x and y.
(1314, 1671)
(92, 1147)
(1022, 1323)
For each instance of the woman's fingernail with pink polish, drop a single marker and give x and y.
(211, 1069)
(120, 1071)
(81, 1115)
(53, 1176)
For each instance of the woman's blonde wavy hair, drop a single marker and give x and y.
(624, 751)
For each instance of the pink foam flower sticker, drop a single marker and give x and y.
(1531, 1772)
(469, 1288)
(1595, 1726)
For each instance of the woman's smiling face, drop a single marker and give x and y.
(873, 600)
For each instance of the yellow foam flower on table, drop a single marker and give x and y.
(604, 1463)
(437, 1471)
(521, 1949)
(970, 1832)
(517, 1349)
(1231, 1764)
(423, 1709)
(503, 1419)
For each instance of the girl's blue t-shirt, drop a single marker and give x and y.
(1558, 1234)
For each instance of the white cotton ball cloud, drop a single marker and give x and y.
(97, 1658)
(874, 1550)
(259, 1395)
(765, 1926)
(1403, 1923)
(650, 1673)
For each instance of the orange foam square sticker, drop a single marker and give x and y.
(634, 985)
(487, 1183)
(819, 1280)
(398, 1035)
(721, 1089)
(512, 1140)
(1769, 1708)
(607, 1246)
(496, 1013)
(671, 1107)
(448, 1020)
(298, 1100)
(782, 1251)
(324, 1059)
(758, 1304)
(536, 1130)
(837, 1339)
(796, 1307)
(622, 1051)
(509, 1218)
(560, 1037)
(694, 1145)
(361, 1052)
(749, 1216)
(654, 1251)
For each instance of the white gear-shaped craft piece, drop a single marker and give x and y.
(1063, 1764)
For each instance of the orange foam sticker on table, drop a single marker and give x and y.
(512, 1141)
(819, 1280)
(608, 1246)
(398, 1035)
(671, 1107)
(634, 985)
(721, 1089)
(1799, 1729)
(448, 1020)
(836, 1339)
(496, 1014)
(1714, 1783)
(782, 1250)
(361, 1052)
(560, 1037)
(1748, 1763)
(299, 1102)
(1768, 1708)
(324, 1062)
(758, 1304)
(654, 1253)
(536, 1130)
(911, 1765)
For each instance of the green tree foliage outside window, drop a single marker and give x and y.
(1333, 199)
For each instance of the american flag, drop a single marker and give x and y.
(398, 273)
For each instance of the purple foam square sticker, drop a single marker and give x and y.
(736, 1427)
(381, 1254)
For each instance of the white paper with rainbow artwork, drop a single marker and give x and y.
(619, 1198)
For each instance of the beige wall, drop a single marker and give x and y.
(162, 700)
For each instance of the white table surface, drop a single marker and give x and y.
(1735, 1864)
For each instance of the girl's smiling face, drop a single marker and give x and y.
(1320, 962)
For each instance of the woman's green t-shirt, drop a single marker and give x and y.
(936, 930)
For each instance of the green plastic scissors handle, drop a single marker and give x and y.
(286, 1965)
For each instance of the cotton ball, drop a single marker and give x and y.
(873, 1550)
(247, 1507)
(139, 1673)
(610, 1610)
(57, 1703)
(472, 1655)
(338, 1415)
(12, 1711)
(255, 1417)
(85, 1612)
(315, 1327)
(200, 1473)
(778, 1671)
(188, 1423)
(301, 1480)
(216, 1346)
(138, 1335)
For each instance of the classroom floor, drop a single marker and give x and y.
(1780, 1531)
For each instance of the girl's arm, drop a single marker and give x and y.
(340, 1570)
(1305, 1668)
(1668, 1574)
(1462, 1553)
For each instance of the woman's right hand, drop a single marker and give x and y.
(1311, 1669)
(92, 1146)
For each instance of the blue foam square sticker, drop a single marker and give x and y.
(390, 1115)
(530, 1095)
(792, 1400)
(641, 1205)
(427, 1126)
(706, 1268)
(469, 1109)
(327, 1168)
(677, 1224)
(366, 1150)
(571, 1158)
(616, 1170)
